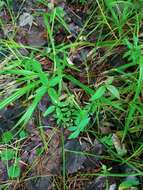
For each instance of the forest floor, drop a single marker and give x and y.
(71, 99)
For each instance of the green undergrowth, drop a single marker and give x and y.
(111, 98)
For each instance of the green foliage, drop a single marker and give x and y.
(128, 184)
(82, 1)
(23, 134)
(119, 13)
(99, 93)
(36, 82)
(102, 89)
(1, 4)
(7, 137)
(50, 110)
(134, 50)
(14, 171)
(31, 69)
(39, 151)
(134, 55)
(82, 120)
(7, 154)
(116, 98)
(107, 140)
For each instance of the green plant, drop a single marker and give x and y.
(107, 140)
(82, 1)
(121, 13)
(108, 95)
(13, 169)
(128, 184)
(102, 90)
(135, 57)
(1, 4)
(9, 156)
(35, 82)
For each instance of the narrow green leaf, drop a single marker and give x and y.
(53, 95)
(43, 78)
(49, 111)
(25, 118)
(83, 123)
(74, 135)
(114, 91)
(20, 92)
(17, 72)
(141, 69)
(99, 93)
(54, 81)
(129, 118)
(72, 128)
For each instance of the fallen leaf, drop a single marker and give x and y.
(26, 19)
(120, 147)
